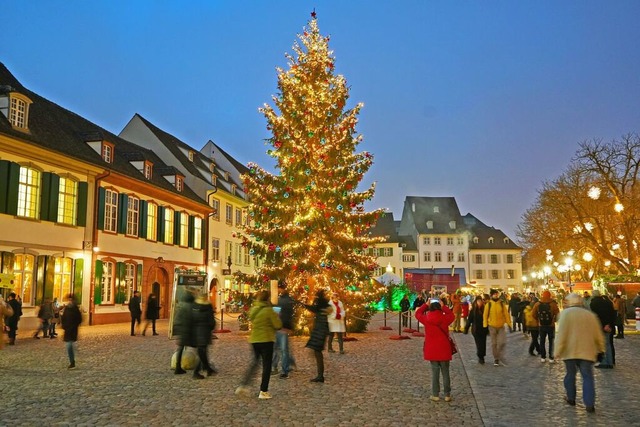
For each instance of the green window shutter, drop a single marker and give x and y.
(97, 290)
(191, 230)
(81, 207)
(13, 183)
(101, 199)
(4, 184)
(142, 220)
(121, 292)
(45, 195)
(123, 204)
(176, 228)
(54, 192)
(45, 269)
(78, 278)
(160, 214)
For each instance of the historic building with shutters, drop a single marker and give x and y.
(85, 211)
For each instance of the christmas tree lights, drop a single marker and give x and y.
(307, 223)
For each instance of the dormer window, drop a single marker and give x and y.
(490, 239)
(191, 156)
(107, 151)
(506, 240)
(226, 176)
(15, 107)
(436, 209)
(212, 167)
(179, 183)
(233, 189)
(452, 225)
(475, 240)
(214, 179)
(148, 170)
(430, 225)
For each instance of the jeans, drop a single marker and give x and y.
(264, 351)
(282, 350)
(608, 354)
(588, 385)
(498, 342)
(70, 352)
(436, 368)
(547, 331)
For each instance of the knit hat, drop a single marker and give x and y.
(573, 300)
(546, 296)
(595, 293)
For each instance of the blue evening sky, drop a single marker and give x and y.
(480, 100)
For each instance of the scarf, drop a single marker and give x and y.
(338, 314)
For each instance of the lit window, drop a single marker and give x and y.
(133, 216)
(129, 281)
(18, 112)
(106, 284)
(229, 214)
(184, 229)
(197, 233)
(110, 211)
(215, 250)
(152, 221)
(62, 278)
(29, 192)
(23, 270)
(67, 196)
(168, 225)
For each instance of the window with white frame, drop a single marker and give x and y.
(509, 258)
(427, 256)
(426, 240)
(238, 253)
(247, 257)
(107, 152)
(24, 275)
(19, 112)
(461, 257)
(148, 170)
(450, 256)
(436, 240)
(238, 217)
(197, 232)
(478, 274)
(228, 250)
(179, 183)
(478, 259)
(430, 225)
(133, 216)
(152, 221)
(129, 280)
(67, 199)
(450, 241)
(215, 204)
(475, 240)
(436, 209)
(190, 156)
(460, 241)
(110, 211)
(408, 258)
(29, 192)
(511, 274)
(62, 278)
(106, 284)
(437, 256)
(491, 240)
(184, 229)
(495, 274)
(215, 250)
(169, 218)
(229, 214)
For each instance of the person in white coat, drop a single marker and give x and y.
(336, 323)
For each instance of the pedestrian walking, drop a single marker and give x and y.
(71, 320)
(136, 311)
(546, 313)
(456, 307)
(151, 314)
(620, 306)
(514, 310)
(321, 309)
(495, 317)
(436, 319)
(532, 326)
(183, 328)
(45, 314)
(12, 321)
(603, 308)
(337, 324)
(405, 305)
(6, 311)
(264, 324)
(282, 351)
(580, 340)
(478, 330)
(204, 324)
(55, 320)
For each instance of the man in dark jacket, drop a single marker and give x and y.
(183, 328)
(285, 303)
(603, 308)
(136, 311)
(12, 321)
(203, 323)
(71, 319)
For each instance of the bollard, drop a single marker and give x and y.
(637, 318)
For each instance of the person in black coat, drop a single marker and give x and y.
(151, 314)
(479, 332)
(203, 321)
(602, 307)
(183, 328)
(70, 322)
(320, 331)
(12, 321)
(136, 311)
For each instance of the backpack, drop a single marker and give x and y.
(545, 317)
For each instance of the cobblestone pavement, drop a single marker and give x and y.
(124, 380)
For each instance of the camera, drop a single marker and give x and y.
(432, 300)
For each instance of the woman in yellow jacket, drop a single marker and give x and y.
(532, 326)
(496, 315)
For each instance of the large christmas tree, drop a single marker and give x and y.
(307, 224)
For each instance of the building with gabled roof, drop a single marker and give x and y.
(85, 211)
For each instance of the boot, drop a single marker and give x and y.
(12, 341)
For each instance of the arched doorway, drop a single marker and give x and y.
(158, 283)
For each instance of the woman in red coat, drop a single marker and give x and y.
(436, 318)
